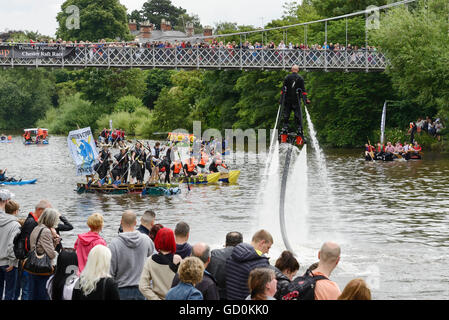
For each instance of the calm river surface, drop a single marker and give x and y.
(391, 219)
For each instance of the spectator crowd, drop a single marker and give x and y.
(152, 262)
(199, 43)
(433, 128)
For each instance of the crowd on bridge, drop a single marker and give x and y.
(200, 43)
(151, 262)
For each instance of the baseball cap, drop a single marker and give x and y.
(6, 195)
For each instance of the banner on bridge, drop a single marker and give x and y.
(83, 150)
(35, 52)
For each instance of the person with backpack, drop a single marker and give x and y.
(9, 228)
(285, 268)
(22, 247)
(315, 284)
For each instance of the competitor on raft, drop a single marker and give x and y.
(190, 167)
(102, 167)
(216, 162)
(121, 167)
(138, 158)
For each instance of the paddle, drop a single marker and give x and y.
(180, 160)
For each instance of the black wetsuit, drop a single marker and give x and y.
(103, 168)
(138, 169)
(121, 167)
(292, 83)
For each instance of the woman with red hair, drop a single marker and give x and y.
(160, 269)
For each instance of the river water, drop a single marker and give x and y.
(390, 218)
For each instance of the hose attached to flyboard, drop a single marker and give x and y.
(282, 199)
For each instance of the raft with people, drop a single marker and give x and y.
(391, 153)
(5, 139)
(35, 136)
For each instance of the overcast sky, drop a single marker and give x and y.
(40, 15)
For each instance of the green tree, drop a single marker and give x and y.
(347, 107)
(156, 80)
(215, 104)
(73, 113)
(105, 19)
(106, 87)
(128, 104)
(173, 107)
(25, 96)
(332, 8)
(156, 10)
(416, 44)
(259, 96)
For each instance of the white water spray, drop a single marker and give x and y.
(322, 172)
(296, 202)
(322, 168)
(268, 199)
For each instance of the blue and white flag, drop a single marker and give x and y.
(83, 150)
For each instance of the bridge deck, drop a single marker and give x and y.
(198, 58)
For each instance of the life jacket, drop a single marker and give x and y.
(177, 167)
(40, 132)
(190, 165)
(204, 158)
(9, 138)
(418, 148)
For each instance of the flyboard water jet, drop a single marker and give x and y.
(292, 140)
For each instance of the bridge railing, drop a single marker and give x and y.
(200, 58)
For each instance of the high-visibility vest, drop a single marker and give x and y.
(177, 167)
(190, 165)
(204, 158)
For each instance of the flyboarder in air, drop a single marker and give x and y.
(293, 91)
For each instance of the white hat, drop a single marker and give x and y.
(5, 195)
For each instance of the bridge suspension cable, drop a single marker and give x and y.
(366, 11)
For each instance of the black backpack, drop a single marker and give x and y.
(302, 287)
(20, 247)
